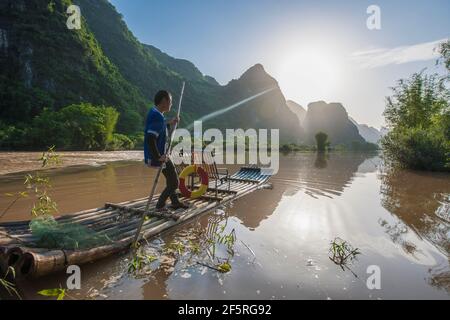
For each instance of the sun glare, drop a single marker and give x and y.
(310, 73)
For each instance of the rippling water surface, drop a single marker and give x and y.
(399, 221)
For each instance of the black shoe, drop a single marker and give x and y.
(179, 205)
(162, 210)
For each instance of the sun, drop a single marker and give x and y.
(312, 73)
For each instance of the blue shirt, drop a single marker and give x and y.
(157, 126)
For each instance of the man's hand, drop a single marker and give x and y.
(174, 121)
(164, 159)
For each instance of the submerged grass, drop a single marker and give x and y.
(342, 253)
(140, 260)
(9, 286)
(59, 293)
(212, 248)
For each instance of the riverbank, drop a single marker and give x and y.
(15, 162)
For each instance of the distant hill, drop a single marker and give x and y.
(298, 110)
(183, 67)
(370, 134)
(332, 119)
(146, 67)
(269, 111)
(320, 117)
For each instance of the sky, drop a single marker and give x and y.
(317, 50)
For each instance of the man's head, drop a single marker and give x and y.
(163, 100)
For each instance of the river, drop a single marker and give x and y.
(398, 220)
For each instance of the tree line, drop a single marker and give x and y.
(76, 127)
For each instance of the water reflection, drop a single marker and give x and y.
(440, 277)
(329, 175)
(321, 160)
(421, 202)
(399, 221)
(321, 175)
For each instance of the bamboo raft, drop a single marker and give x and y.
(19, 249)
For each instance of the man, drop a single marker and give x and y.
(156, 135)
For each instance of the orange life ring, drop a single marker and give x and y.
(203, 178)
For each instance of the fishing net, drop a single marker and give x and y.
(52, 234)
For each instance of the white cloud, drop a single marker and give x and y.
(386, 56)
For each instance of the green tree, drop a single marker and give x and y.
(130, 122)
(418, 116)
(79, 127)
(322, 141)
(445, 55)
(120, 142)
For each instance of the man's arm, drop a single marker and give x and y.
(152, 147)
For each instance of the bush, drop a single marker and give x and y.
(130, 122)
(138, 140)
(120, 142)
(419, 149)
(418, 115)
(76, 127)
(12, 137)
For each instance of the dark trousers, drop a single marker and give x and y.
(171, 186)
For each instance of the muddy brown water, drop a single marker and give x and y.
(400, 222)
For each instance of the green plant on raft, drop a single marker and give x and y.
(44, 205)
(37, 186)
(40, 185)
(50, 157)
(49, 232)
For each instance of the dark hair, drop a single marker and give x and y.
(163, 94)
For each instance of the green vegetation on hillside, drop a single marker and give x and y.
(57, 67)
(145, 67)
(76, 127)
(418, 114)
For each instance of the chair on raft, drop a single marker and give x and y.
(220, 176)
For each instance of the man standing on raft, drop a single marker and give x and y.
(156, 135)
